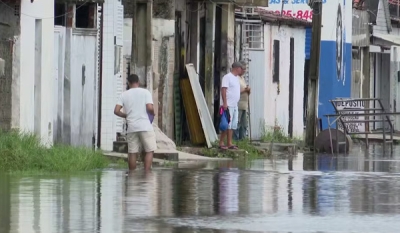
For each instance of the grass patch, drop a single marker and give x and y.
(275, 134)
(20, 152)
(246, 150)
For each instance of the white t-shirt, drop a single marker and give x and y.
(134, 103)
(232, 83)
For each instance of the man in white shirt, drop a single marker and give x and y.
(230, 93)
(138, 104)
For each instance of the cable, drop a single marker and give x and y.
(35, 17)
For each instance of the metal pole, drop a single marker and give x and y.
(337, 137)
(384, 135)
(330, 134)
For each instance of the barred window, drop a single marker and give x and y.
(254, 35)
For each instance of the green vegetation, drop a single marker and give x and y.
(275, 134)
(246, 149)
(20, 152)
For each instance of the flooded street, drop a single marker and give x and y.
(354, 193)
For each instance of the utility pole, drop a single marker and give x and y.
(313, 79)
(141, 57)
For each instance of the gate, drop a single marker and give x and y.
(256, 75)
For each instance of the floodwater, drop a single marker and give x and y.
(358, 193)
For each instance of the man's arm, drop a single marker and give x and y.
(223, 94)
(149, 104)
(117, 111)
(118, 107)
(224, 88)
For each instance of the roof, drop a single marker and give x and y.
(272, 17)
(391, 39)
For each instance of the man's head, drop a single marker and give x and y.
(133, 80)
(238, 68)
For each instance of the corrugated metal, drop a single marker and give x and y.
(360, 28)
(205, 117)
(258, 95)
(196, 132)
(308, 42)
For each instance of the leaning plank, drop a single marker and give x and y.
(205, 117)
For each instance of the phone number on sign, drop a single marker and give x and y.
(306, 15)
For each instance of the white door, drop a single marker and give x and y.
(256, 72)
(394, 83)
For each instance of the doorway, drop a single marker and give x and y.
(291, 87)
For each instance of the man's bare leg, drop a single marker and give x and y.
(222, 138)
(148, 160)
(132, 157)
(229, 140)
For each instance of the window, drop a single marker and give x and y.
(85, 15)
(59, 14)
(276, 61)
(253, 34)
(117, 58)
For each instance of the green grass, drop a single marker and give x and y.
(21, 152)
(247, 150)
(275, 134)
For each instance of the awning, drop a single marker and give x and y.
(392, 39)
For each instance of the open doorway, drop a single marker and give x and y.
(217, 65)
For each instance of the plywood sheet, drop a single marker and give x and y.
(205, 117)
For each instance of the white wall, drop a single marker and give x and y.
(277, 105)
(44, 10)
(111, 83)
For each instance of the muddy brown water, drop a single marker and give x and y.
(358, 193)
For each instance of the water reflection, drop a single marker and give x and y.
(319, 193)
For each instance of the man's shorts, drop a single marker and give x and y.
(234, 114)
(141, 140)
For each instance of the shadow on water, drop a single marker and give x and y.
(359, 192)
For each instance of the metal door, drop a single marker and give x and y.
(257, 83)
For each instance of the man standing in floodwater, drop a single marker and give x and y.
(230, 93)
(138, 104)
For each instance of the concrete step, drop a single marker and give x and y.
(122, 147)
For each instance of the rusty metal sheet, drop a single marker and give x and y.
(205, 117)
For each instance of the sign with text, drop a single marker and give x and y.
(352, 107)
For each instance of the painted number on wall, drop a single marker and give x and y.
(306, 14)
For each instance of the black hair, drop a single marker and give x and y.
(133, 78)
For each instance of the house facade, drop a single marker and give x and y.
(336, 49)
(26, 76)
(274, 47)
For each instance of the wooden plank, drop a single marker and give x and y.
(205, 117)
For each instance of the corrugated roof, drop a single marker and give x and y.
(272, 17)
